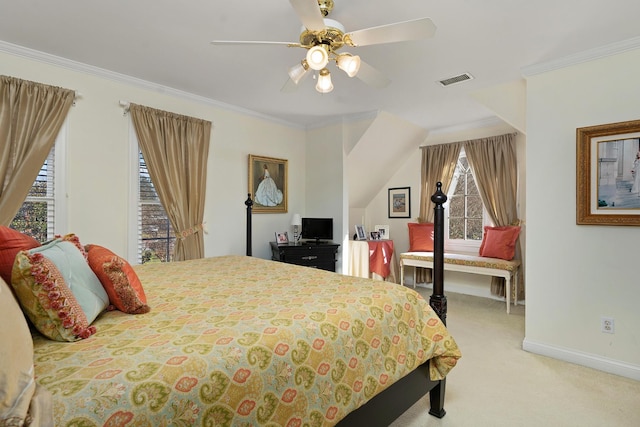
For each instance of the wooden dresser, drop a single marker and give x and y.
(309, 254)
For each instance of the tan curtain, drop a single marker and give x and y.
(31, 115)
(438, 164)
(176, 149)
(495, 169)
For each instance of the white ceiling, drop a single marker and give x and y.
(167, 42)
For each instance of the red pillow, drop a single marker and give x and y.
(12, 242)
(499, 242)
(420, 237)
(119, 280)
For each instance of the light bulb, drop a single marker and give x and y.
(348, 63)
(324, 84)
(317, 57)
(298, 71)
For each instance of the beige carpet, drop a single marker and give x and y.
(496, 383)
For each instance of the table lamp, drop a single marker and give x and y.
(296, 221)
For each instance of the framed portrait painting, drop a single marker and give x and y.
(608, 174)
(400, 202)
(268, 178)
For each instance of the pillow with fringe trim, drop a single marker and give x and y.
(57, 290)
(119, 280)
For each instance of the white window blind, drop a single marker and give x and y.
(155, 234)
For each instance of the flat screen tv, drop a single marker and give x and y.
(317, 229)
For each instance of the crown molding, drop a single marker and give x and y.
(581, 57)
(80, 67)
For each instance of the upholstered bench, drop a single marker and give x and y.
(467, 264)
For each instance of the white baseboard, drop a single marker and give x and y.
(584, 359)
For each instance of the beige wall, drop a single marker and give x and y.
(98, 158)
(578, 273)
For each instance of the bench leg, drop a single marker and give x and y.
(507, 291)
(515, 283)
(415, 276)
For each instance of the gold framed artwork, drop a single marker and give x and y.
(268, 179)
(608, 174)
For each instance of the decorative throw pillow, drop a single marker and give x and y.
(420, 237)
(119, 280)
(17, 385)
(58, 291)
(12, 242)
(500, 242)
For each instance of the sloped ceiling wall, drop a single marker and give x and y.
(381, 150)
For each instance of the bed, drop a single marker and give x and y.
(236, 340)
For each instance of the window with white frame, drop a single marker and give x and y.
(156, 238)
(42, 215)
(466, 215)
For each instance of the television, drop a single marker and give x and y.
(317, 229)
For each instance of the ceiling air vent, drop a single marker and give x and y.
(455, 79)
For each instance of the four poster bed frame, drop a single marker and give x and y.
(387, 406)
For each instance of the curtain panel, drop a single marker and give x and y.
(176, 150)
(494, 164)
(438, 164)
(31, 115)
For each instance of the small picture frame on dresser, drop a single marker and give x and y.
(383, 230)
(282, 238)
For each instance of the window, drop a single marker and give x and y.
(42, 215)
(155, 234)
(466, 214)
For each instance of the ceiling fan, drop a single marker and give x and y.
(324, 38)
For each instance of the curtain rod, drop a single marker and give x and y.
(76, 95)
(125, 106)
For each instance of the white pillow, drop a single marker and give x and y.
(17, 384)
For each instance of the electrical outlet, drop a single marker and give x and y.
(607, 325)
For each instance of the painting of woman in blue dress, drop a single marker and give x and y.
(268, 193)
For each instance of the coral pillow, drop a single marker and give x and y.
(420, 237)
(12, 242)
(499, 242)
(119, 280)
(58, 291)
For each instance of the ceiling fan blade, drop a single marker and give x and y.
(248, 42)
(372, 76)
(309, 13)
(400, 31)
(289, 86)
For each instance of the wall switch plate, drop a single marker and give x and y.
(607, 325)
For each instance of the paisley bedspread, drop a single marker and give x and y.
(243, 341)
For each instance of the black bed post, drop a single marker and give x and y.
(248, 203)
(438, 300)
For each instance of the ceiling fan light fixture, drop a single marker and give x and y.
(324, 84)
(317, 57)
(298, 71)
(348, 63)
